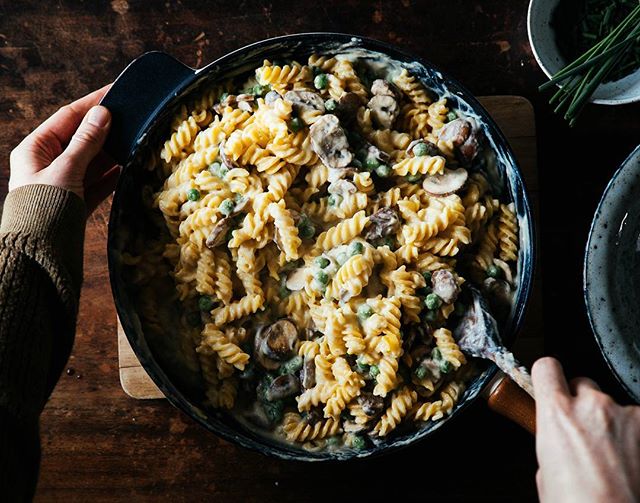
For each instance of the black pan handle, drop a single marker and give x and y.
(137, 94)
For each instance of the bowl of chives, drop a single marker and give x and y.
(560, 31)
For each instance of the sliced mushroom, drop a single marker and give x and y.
(282, 387)
(337, 174)
(279, 340)
(382, 223)
(445, 285)
(241, 204)
(353, 427)
(449, 182)
(384, 110)
(432, 148)
(371, 405)
(498, 292)
(259, 353)
(228, 101)
(296, 279)
(272, 97)
(373, 152)
(308, 374)
(218, 234)
(342, 187)
(464, 135)
(381, 87)
(329, 141)
(305, 100)
(348, 105)
(245, 102)
(226, 160)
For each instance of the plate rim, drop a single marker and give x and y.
(590, 251)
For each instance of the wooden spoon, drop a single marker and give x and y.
(477, 335)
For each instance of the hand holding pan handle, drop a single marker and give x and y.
(140, 91)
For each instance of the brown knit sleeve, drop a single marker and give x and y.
(41, 239)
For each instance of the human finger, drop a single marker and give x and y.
(582, 384)
(45, 143)
(85, 143)
(548, 378)
(63, 124)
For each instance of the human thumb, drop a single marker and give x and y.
(86, 142)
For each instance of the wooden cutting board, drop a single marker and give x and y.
(514, 115)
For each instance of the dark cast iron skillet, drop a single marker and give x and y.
(142, 101)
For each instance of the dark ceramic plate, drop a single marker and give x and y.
(612, 273)
(142, 101)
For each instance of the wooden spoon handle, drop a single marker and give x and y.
(508, 399)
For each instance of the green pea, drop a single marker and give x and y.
(420, 372)
(356, 248)
(273, 411)
(306, 229)
(322, 262)
(295, 124)
(320, 81)
(436, 354)
(362, 367)
(386, 241)
(413, 178)
(358, 442)
(371, 163)
(451, 116)
(374, 371)
(383, 171)
(341, 258)
(364, 311)
(193, 194)
(333, 441)
(227, 206)
(427, 276)
(205, 303)
(224, 96)
(433, 301)
(431, 315)
(330, 105)
(322, 277)
(420, 149)
(218, 170)
(334, 199)
(445, 366)
(260, 90)
(291, 366)
(493, 271)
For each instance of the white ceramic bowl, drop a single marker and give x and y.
(543, 43)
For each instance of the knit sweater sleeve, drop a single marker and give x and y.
(41, 241)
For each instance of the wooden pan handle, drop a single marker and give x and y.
(506, 398)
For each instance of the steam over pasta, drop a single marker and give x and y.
(322, 218)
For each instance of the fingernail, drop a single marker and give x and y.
(98, 116)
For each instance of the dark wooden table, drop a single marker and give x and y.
(98, 444)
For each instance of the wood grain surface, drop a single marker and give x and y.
(514, 116)
(100, 445)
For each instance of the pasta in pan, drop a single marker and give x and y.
(323, 218)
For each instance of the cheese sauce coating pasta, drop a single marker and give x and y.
(322, 219)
